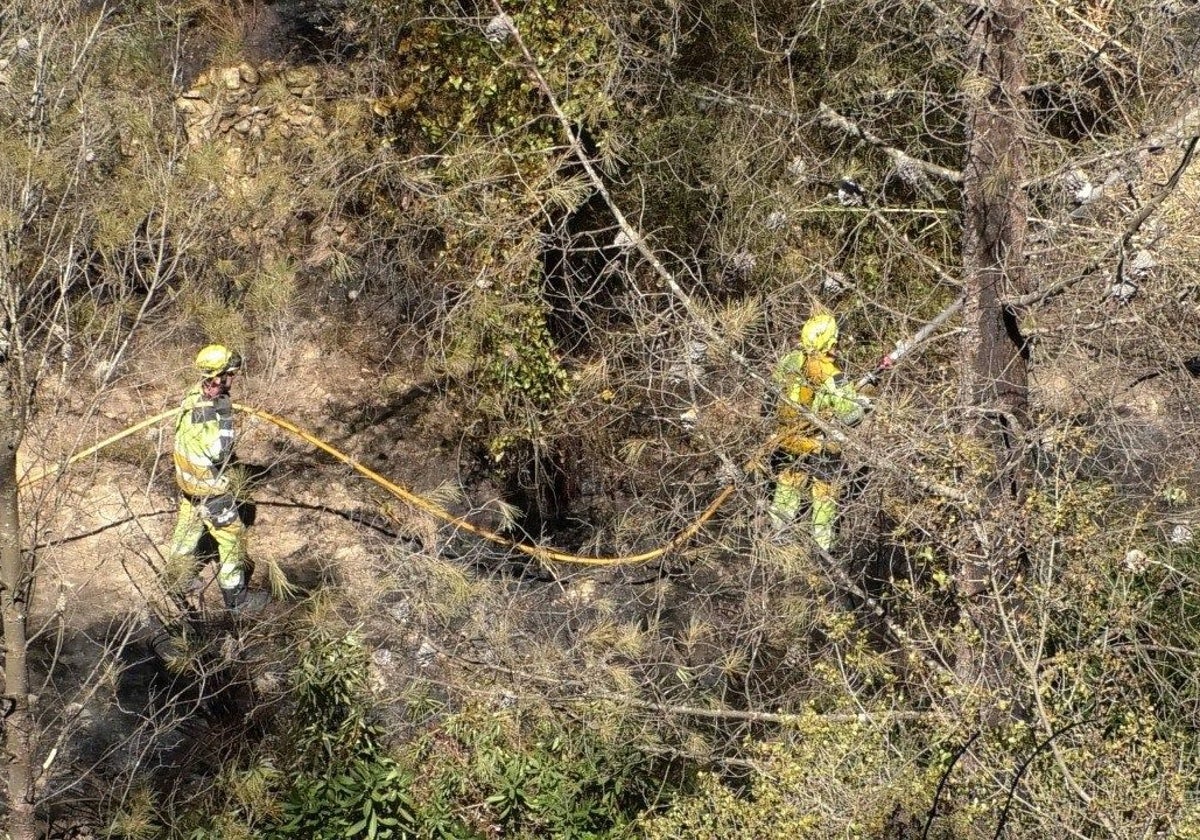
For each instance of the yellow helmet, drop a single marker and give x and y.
(216, 359)
(819, 333)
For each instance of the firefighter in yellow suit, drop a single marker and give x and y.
(809, 378)
(203, 454)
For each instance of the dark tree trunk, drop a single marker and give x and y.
(994, 358)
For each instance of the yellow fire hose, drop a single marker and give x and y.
(901, 350)
(416, 501)
(46, 472)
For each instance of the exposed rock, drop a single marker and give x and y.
(249, 74)
(622, 241)
(834, 283)
(1142, 264)
(300, 81)
(426, 654)
(299, 118)
(1136, 561)
(499, 29)
(582, 593)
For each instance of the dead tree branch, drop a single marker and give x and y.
(1119, 245)
(901, 159)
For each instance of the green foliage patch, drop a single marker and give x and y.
(827, 779)
(451, 82)
(331, 772)
(533, 774)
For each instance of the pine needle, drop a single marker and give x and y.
(593, 377)
(508, 513)
(632, 450)
(622, 678)
(445, 494)
(281, 588)
(568, 194)
(696, 631)
(737, 317)
(790, 557)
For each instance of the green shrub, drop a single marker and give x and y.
(828, 779)
(366, 798)
(534, 776)
(344, 785)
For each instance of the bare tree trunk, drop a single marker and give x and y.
(14, 589)
(994, 357)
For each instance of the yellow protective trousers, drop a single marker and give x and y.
(219, 517)
(790, 485)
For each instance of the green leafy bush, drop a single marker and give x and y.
(345, 785)
(527, 774)
(533, 775)
(367, 798)
(827, 779)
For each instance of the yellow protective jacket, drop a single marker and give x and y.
(204, 438)
(816, 383)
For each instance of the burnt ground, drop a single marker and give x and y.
(436, 609)
(426, 600)
(100, 529)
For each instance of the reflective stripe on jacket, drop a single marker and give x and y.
(204, 439)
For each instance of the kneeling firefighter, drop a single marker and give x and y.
(809, 378)
(204, 441)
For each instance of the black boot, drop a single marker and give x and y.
(242, 600)
(164, 642)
